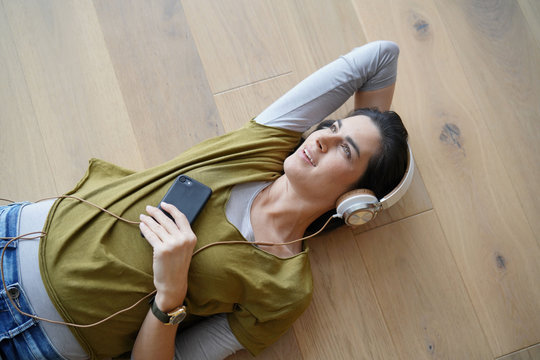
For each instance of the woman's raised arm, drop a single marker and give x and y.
(369, 70)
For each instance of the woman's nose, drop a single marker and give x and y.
(325, 141)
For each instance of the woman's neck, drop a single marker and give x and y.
(284, 211)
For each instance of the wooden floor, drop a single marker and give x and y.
(451, 272)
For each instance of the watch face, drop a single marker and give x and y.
(177, 317)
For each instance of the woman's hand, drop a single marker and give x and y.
(173, 243)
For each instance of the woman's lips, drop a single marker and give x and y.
(307, 157)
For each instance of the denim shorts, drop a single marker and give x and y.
(21, 337)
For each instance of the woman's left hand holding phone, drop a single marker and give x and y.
(173, 243)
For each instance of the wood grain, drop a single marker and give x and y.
(317, 32)
(530, 353)
(344, 320)
(420, 291)
(238, 106)
(239, 41)
(531, 12)
(493, 245)
(286, 348)
(26, 174)
(163, 84)
(500, 53)
(72, 86)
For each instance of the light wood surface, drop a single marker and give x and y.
(531, 11)
(344, 300)
(500, 49)
(21, 141)
(72, 86)
(530, 353)
(451, 271)
(468, 181)
(161, 77)
(421, 292)
(237, 44)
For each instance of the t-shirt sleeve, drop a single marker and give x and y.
(258, 331)
(211, 339)
(372, 66)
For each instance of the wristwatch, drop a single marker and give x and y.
(171, 318)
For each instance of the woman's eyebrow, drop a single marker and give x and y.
(350, 140)
(353, 144)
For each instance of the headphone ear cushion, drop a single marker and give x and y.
(353, 206)
(363, 194)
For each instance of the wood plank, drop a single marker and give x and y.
(317, 32)
(493, 245)
(239, 41)
(238, 106)
(285, 348)
(530, 353)
(72, 86)
(26, 172)
(531, 12)
(420, 291)
(160, 75)
(344, 320)
(499, 52)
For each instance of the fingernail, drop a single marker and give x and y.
(164, 203)
(148, 207)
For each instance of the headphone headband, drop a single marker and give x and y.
(400, 190)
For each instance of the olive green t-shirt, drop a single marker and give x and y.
(94, 265)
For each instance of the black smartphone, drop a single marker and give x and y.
(188, 195)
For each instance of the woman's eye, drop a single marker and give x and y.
(333, 128)
(347, 150)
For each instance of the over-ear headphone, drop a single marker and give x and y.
(360, 206)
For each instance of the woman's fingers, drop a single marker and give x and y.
(180, 218)
(162, 229)
(155, 228)
(161, 219)
(149, 235)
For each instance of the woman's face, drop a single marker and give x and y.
(332, 160)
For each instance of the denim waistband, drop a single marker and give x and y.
(21, 337)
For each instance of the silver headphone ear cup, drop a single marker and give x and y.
(359, 217)
(357, 207)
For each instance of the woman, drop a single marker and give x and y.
(265, 188)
